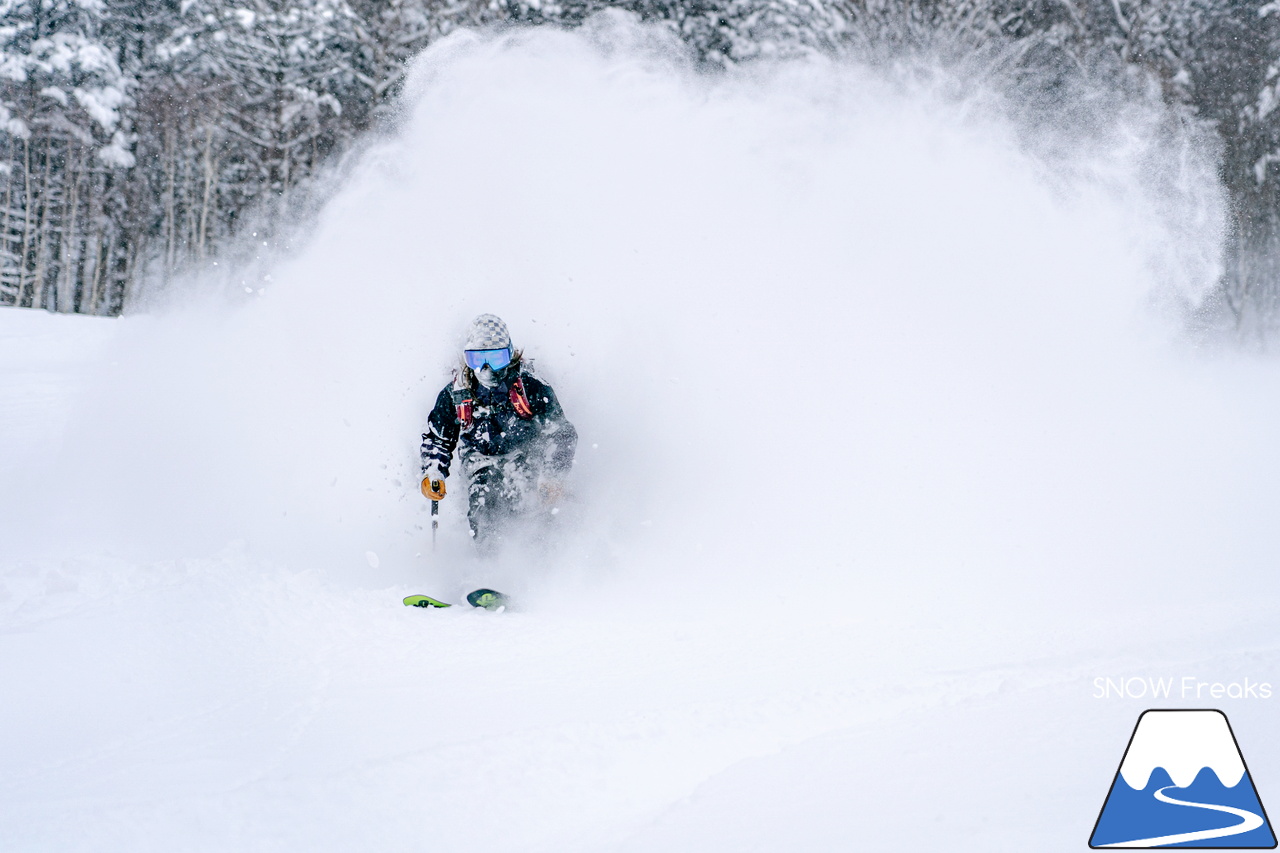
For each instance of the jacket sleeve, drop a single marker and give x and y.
(560, 439)
(441, 436)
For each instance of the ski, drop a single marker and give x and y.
(424, 601)
(488, 599)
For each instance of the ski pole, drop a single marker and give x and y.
(435, 514)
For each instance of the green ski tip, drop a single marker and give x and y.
(424, 601)
(488, 599)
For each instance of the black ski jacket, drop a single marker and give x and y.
(545, 440)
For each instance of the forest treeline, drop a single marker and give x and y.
(138, 137)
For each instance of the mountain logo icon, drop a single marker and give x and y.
(1183, 783)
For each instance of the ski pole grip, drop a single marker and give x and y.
(433, 489)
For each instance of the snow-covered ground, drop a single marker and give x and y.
(887, 455)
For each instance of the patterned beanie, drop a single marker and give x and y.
(487, 332)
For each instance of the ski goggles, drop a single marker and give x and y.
(495, 358)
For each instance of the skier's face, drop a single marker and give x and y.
(488, 376)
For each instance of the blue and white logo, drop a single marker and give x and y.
(1183, 783)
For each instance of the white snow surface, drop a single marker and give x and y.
(886, 455)
(1183, 743)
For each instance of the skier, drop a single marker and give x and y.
(515, 444)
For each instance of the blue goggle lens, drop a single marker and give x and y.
(495, 358)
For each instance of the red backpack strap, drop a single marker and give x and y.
(520, 400)
(463, 402)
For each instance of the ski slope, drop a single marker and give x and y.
(889, 448)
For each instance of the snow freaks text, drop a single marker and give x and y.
(1185, 687)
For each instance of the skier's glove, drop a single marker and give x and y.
(432, 489)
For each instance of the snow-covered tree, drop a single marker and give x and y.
(65, 139)
(1243, 98)
(138, 136)
(253, 99)
(382, 36)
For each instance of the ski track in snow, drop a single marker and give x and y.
(972, 481)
